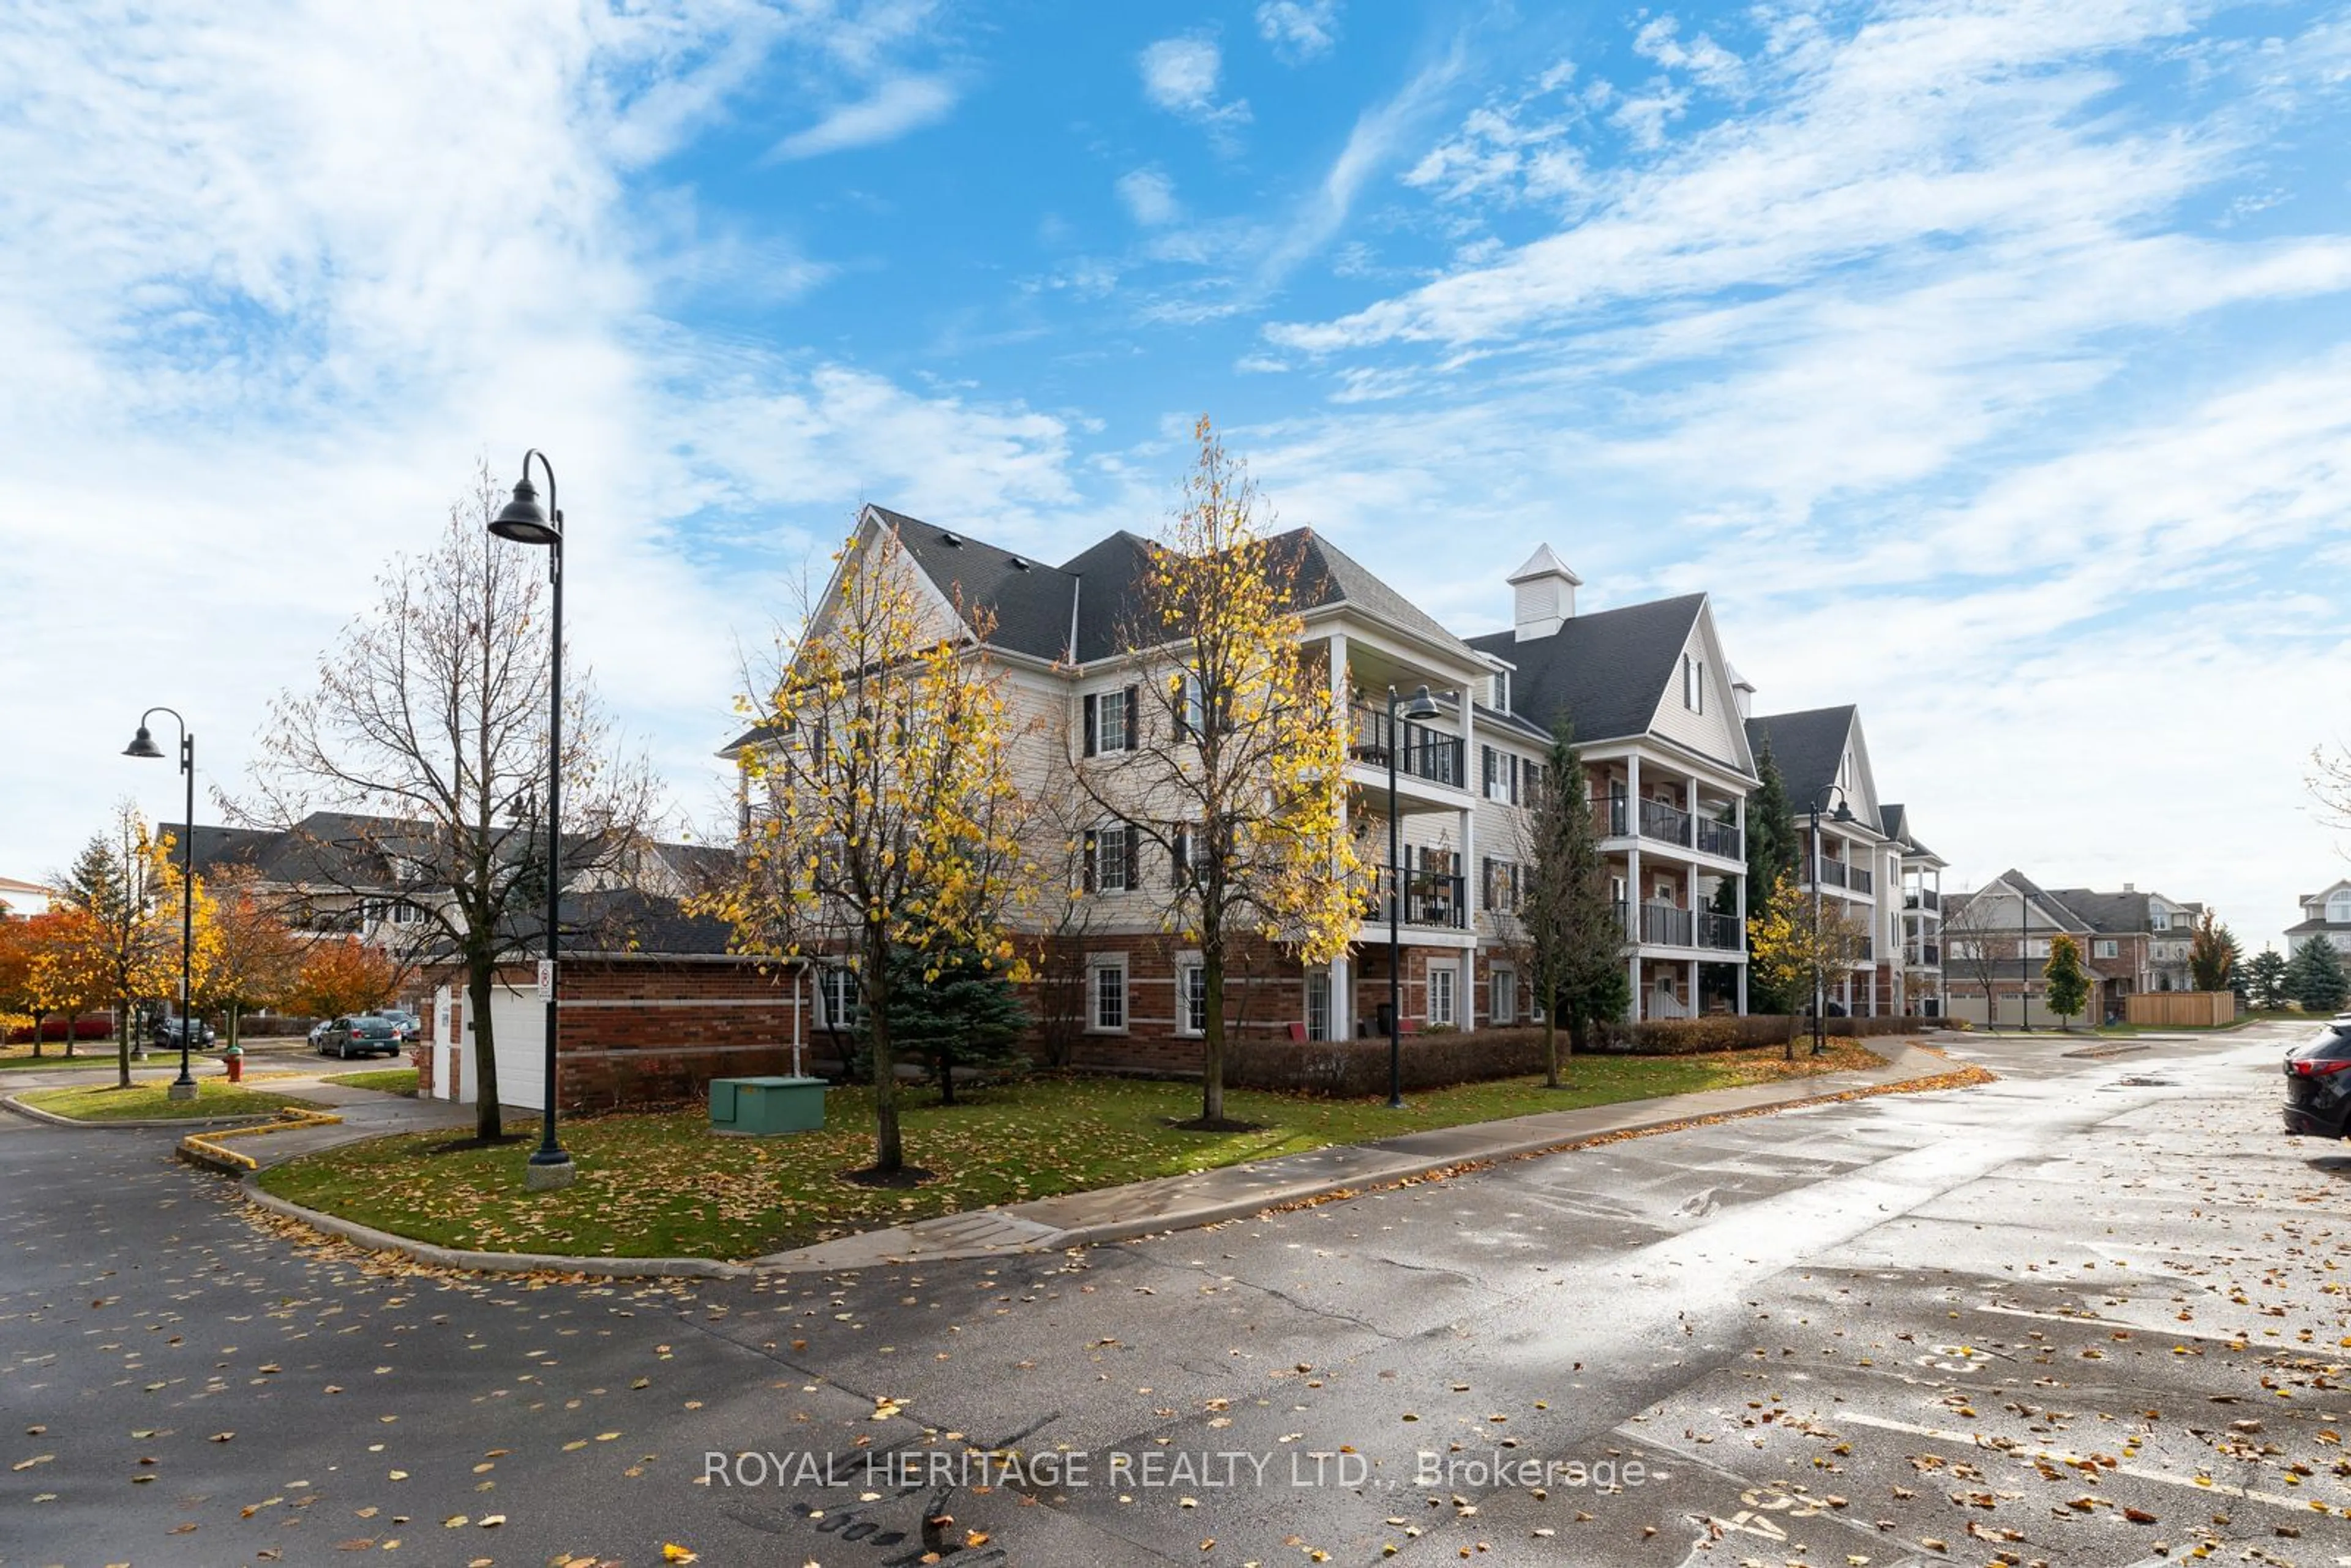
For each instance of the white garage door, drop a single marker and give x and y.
(518, 1036)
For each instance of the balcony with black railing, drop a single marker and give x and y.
(1827, 872)
(1922, 898)
(1666, 824)
(1723, 839)
(1665, 925)
(1720, 932)
(1432, 900)
(1859, 879)
(1423, 753)
(1923, 956)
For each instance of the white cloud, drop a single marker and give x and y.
(1299, 29)
(1180, 76)
(897, 107)
(1150, 197)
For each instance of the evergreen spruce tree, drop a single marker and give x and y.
(954, 1008)
(2265, 979)
(2314, 976)
(1774, 852)
(1577, 935)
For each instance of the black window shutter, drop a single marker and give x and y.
(1094, 843)
(1093, 723)
(1486, 882)
(1133, 716)
(1179, 691)
(1179, 854)
(1514, 779)
(1131, 837)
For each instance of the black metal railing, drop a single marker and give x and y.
(1430, 899)
(1664, 925)
(1425, 753)
(1859, 879)
(1720, 932)
(1668, 824)
(1827, 872)
(1723, 839)
(1608, 815)
(1922, 898)
(1923, 956)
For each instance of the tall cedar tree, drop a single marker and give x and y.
(2068, 983)
(955, 1008)
(1235, 767)
(881, 802)
(2265, 979)
(2211, 959)
(1774, 852)
(2314, 978)
(1574, 929)
(428, 726)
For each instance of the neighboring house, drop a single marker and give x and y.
(2325, 916)
(1645, 687)
(1824, 760)
(22, 900)
(1920, 988)
(2130, 942)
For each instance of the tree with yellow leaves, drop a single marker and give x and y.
(1238, 772)
(1797, 939)
(255, 958)
(881, 805)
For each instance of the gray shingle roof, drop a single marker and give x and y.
(1028, 600)
(1808, 748)
(1334, 576)
(1895, 820)
(2106, 912)
(1607, 670)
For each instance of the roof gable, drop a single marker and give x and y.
(1606, 671)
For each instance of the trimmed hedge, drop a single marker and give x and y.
(1349, 1068)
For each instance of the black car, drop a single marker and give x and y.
(166, 1035)
(2318, 1083)
(364, 1034)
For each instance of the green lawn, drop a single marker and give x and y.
(112, 1103)
(663, 1184)
(386, 1080)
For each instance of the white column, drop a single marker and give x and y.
(1632, 924)
(1739, 885)
(1693, 987)
(1342, 999)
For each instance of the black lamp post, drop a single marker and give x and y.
(2024, 961)
(1420, 710)
(526, 522)
(142, 745)
(1843, 813)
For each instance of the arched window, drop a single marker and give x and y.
(2338, 907)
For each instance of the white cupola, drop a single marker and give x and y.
(1545, 591)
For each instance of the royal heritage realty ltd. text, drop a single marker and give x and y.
(1153, 1469)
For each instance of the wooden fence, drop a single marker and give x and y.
(2175, 1010)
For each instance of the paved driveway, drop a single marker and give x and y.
(2093, 1315)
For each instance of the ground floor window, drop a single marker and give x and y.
(836, 996)
(1107, 990)
(1502, 1005)
(1318, 1004)
(1442, 979)
(1191, 999)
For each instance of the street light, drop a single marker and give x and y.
(1420, 710)
(142, 745)
(525, 522)
(1843, 813)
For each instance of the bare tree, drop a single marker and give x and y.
(426, 737)
(1981, 945)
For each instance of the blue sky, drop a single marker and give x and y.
(1988, 362)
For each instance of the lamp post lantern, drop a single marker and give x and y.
(524, 521)
(1843, 813)
(1419, 710)
(142, 745)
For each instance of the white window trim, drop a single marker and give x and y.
(1452, 1017)
(1187, 965)
(1502, 981)
(1097, 964)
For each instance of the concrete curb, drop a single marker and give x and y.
(1099, 1234)
(185, 1124)
(490, 1262)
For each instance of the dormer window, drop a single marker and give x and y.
(1498, 694)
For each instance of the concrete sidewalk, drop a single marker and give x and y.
(366, 1113)
(1234, 1192)
(1108, 1214)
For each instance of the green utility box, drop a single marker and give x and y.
(762, 1106)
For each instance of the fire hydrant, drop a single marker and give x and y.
(234, 1060)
